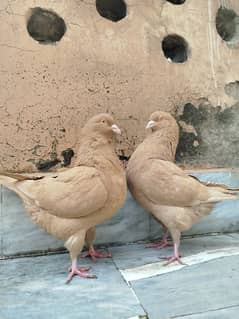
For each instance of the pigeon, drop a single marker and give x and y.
(174, 198)
(69, 203)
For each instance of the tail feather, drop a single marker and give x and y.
(19, 177)
(10, 180)
(219, 192)
(211, 184)
(225, 189)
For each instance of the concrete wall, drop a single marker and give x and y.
(19, 235)
(48, 91)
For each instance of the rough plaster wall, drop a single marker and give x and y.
(48, 91)
(209, 135)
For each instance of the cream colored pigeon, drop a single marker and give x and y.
(174, 198)
(69, 204)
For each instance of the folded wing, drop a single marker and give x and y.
(74, 193)
(168, 185)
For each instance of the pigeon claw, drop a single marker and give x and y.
(172, 259)
(79, 272)
(159, 245)
(95, 254)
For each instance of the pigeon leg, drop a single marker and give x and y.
(95, 254)
(163, 242)
(90, 236)
(75, 244)
(174, 257)
(176, 242)
(76, 271)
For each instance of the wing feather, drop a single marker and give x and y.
(74, 193)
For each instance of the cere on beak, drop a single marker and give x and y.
(150, 124)
(116, 129)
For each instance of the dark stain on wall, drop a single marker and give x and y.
(232, 89)
(67, 156)
(209, 135)
(45, 165)
(225, 23)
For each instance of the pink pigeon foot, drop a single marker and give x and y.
(95, 254)
(175, 257)
(82, 269)
(159, 245)
(163, 242)
(171, 259)
(76, 271)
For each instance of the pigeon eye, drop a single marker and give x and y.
(103, 121)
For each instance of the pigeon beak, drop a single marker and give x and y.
(116, 129)
(150, 124)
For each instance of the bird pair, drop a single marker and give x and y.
(71, 202)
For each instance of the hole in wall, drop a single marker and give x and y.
(175, 48)
(227, 24)
(45, 26)
(113, 10)
(176, 1)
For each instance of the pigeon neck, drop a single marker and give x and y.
(93, 148)
(163, 144)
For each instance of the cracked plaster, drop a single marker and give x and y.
(48, 92)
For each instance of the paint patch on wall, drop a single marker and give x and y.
(209, 135)
(232, 89)
(227, 25)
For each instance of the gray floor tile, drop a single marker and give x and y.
(194, 289)
(35, 288)
(134, 255)
(227, 313)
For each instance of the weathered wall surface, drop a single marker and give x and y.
(209, 135)
(48, 91)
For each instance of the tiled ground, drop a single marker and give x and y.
(35, 288)
(207, 288)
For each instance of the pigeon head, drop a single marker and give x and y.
(103, 124)
(159, 120)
